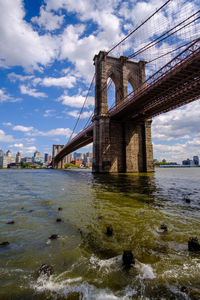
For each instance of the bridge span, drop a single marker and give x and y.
(121, 136)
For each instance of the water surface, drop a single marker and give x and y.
(87, 263)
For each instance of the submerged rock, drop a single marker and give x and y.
(163, 227)
(128, 259)
(11, 222)
(45, 270)
(4, 244)
(191, 291)
(109, 231)
(187, 200)
(193, 244)
(53, 237)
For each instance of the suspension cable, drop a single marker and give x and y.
(133, 31)
(172, 51)
(163, 37)
(81, 110)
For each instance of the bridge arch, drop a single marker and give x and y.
(121, 71)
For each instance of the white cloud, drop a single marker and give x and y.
(31, 92)
(84, 115)
(22, 128)
(4, 97)
(13, 77)
(76, 101)
(49, 113)
(24, 149)
(29, 150)
(20, 44)
(16, 146)
(7, 124)
(181, 123)
(53, 132)
(66, 81)
(48, 20)
(5, 138)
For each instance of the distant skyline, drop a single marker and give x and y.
(46, 65)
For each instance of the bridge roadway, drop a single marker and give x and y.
(174, 85)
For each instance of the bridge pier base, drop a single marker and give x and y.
(122, 147)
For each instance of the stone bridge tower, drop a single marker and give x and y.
(119, 145)
(60, 164)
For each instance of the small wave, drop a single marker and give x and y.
(146, 271)
(74, 285)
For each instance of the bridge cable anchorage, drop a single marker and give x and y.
(81, 110)
(163, 37)
(133, 31)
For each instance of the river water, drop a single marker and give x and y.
(87, 263)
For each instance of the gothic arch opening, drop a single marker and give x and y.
(130, 88)
(111, 93)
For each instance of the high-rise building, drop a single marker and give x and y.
(78, 156)
(46, 157)
(1, 153)
(7, 159)
(196, 160)
(37, 154)
(9, 153)
(18, 157)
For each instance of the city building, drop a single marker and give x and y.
(1, 153)
(37, 154)
(196, 160)
(46, 158)
(78, 156)
(188, 162)
(87, 158)
(26, 160)
(18, 157)
(7, 159)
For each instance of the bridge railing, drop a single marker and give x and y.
(181, 58)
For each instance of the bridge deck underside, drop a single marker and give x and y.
(178, 87)
(84, 138)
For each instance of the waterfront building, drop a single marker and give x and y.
(188, 162)
(38, 160)
(37, 154)
(1, 153)
(7, 159)
(46, 157)
(26, 160)
(78, 156)
(18, 157)
(196, 160)
(87, 158)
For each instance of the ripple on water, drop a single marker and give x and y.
(86, 261)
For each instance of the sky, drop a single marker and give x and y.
(46, 66)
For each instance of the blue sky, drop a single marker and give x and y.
(46, 65)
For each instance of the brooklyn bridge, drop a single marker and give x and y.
(121, 134)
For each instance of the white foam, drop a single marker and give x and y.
(145, 270)
(87, 291)
(100, 263)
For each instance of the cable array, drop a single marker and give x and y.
(155, 41)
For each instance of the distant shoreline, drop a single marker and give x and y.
(176, 166)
